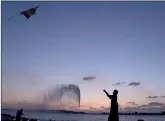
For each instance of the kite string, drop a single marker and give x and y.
(14, 16)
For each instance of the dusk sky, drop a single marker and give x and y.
(66, 41)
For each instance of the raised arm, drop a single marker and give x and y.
(110, 96)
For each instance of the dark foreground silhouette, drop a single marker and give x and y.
(19, 114)
(113, 116)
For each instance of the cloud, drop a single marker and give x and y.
(119, 83)
(89, 78)
(150, 107)
(134, 84)
(132, 103)
(152, 97)
(133, 109)
(22, 102)
(102, 107)
(152, 104)
(82, 106)
(105, 108)
(73, 107)
(156, 104)
(92, 108)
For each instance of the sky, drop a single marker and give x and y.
(67, 41)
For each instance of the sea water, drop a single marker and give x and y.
(43, 116)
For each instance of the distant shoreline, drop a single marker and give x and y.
(76, 112)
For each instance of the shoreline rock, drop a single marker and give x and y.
(8, 117)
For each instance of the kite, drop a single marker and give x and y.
(71, 92)
(27, 13)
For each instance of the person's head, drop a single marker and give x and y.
(115, 92)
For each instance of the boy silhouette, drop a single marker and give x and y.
(113, 116)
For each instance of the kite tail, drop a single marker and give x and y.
(18, 14)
